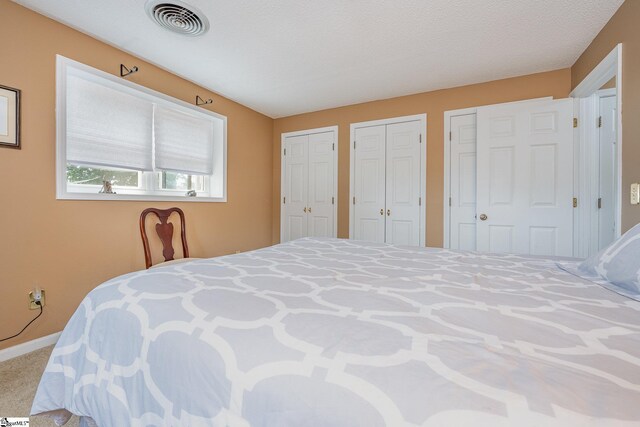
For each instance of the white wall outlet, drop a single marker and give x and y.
(635, 193)
(35, 296)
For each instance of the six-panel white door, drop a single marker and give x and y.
(309, 186)
(296, 183)
(387, 183)
(525, 178)
(369, 182)
(462, 211)
(402, 225)
(321, 173)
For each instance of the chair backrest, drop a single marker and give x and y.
(165, 233)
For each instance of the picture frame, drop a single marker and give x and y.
(9, 117)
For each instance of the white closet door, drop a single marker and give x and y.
(369, 183)
(525, 178)
(403, 184)
(321, 173)
(462, 232)
(296, 187)
(607, 148)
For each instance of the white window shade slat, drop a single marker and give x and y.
(107, 127)
(183, 142)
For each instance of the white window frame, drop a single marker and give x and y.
(149, 182)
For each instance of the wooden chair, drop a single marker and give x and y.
(165, 232)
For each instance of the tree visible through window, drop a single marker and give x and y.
(86, 175)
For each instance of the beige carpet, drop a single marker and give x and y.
(19, 379)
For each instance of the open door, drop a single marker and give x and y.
(525, 178)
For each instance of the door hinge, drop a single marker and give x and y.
(285, 151)
(575, 122)
(600, 121)
(575, 202)
(333, 147)
(354, 145)
(449, 201)
(420, 140)
(354, 200)
(449, 135)
(284, 200)
(333, 200)
(419, 201)
(599, 202)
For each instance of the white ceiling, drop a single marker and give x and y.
(286, 57)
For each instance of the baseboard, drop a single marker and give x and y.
(28, 347)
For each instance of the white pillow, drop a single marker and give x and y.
(618, 264)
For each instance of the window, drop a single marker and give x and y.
(144, 144)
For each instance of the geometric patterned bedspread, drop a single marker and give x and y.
(329, 332)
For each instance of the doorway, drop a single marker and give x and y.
(597, 105)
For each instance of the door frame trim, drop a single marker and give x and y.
(422, 118)
(609, 67)
(283, 171)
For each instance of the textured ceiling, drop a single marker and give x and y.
(287, 57)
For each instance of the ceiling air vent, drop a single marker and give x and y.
(177, 17)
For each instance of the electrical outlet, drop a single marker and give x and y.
(635, 193)
(36, 295)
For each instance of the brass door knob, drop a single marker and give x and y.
(305, 209)
(483, 217)
(309, 210)
(381, 211)
(388, 212)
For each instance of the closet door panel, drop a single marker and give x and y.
(321, 185)
(402, 196)
(296, 187)
(369, 183)
(462, 226)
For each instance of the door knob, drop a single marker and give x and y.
(388, 212)
(483, 217)
(381, 211)
(309, 210)
(305, 209)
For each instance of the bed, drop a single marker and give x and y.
(330, 332)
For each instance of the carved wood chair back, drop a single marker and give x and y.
(164, 228)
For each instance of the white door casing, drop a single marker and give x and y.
(369, 179)
(525, 178)
(321, 175)
(309, 183)
(403, 183)
(296, 187)
(607, 171)
(586, 110)
(462, 199)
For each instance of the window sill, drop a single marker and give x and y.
(138, 197)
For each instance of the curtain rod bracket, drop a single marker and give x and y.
(124, 71)
(200, 101)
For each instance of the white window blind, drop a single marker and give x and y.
(183, 142)
(106, 126)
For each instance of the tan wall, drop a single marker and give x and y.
(554, 83)
(621, 28)
(69, 247)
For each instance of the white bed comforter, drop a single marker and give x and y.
(342, 333)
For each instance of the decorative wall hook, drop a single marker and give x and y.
(124, 71)
(200, 101)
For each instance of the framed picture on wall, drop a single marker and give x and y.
(9, 117)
